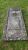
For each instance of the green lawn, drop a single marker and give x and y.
(4, 5)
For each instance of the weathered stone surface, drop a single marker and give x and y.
(15, 27)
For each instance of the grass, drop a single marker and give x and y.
(14, 45)
(4, 5)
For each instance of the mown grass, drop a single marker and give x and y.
(14, 45)
(4, 5)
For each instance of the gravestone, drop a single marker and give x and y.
(15, 27)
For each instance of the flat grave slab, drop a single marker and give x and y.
(15, 27)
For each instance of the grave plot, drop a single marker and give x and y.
(15, 27)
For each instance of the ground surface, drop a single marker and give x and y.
(4, 5)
